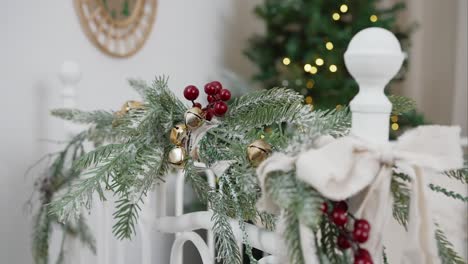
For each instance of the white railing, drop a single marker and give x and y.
(373, 58)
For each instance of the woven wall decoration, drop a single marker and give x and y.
(118, 28)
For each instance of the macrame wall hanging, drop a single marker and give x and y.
(119, 28)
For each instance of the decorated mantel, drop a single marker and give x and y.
(301, 185)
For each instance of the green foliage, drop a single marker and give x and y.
(460, 175)
(446, 252)
(292, 237)
(401, 104)
(126, 217)
(448, 193)
(401, 198)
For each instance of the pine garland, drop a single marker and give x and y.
(131, 156)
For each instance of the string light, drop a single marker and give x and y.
(286, 61)
(394, 118)
(344, 8)
(310, 84)
(329, 45)
(336, 16)
(395, 126)
(313, 70)
(338, 107)
(373, 18)
(307, 67)
(319, 62)
(308, 100)
(333, 68)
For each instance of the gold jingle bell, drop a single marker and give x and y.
(127, 106)
(258, 151)
(193, 118)
(176, 157)
(130, 105)
(178, 134)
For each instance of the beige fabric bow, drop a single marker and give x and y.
(351, 168)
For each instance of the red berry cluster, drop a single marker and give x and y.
(216, 96)
(347, 238)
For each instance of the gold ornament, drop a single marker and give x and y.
(258, 151)
(131, 105)
(178, 134)
(193, 117)
(176, 157)
(127, 106)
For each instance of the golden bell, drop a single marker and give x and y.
(176, 157)
(178, 134)
(131, 105)
(258, 151)
(193, 118)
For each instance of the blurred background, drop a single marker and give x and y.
(197, 41)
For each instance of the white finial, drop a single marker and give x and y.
(70, 73)
(373, 58)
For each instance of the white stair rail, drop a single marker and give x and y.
(70, 75)
(373, 58)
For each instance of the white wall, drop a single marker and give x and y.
(191, 41)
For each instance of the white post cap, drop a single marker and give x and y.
(373, 58)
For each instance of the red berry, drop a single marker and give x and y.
(339, 217)
(342, 205)
(362, 256)
(197, 105)
(324, 207)
(191, 92)
(211, 99)
(217, 85)
(209, 114)
(210, 89)
(360, 235)
(343, 242)
(225, 94)
(220, 108)
(362, 224)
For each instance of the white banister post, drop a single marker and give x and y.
(70, 75)
(373, 58)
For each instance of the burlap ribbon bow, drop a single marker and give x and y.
(350, 168)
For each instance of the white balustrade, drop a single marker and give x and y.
(373, 58)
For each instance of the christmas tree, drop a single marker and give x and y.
(304, 43)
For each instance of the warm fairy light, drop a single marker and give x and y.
(333, 68)
(313, 70)
(373, 18)
(319, 62)
(286, 61)
(394, 118)
(336, 16)
(338, 107)
(310, 84)
(329, 45)
(395, 126)
(307, 67)
(308, 100)
(344, 8)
